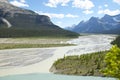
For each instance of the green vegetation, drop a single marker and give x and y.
(33, 42)
(14, 45)
(86, 64)
(36, 32)
(117, 41)
(112, 60)
(26, 23)
(106, 63)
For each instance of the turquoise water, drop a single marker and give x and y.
(50, 77)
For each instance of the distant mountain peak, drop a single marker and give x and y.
(93, 19)
(106, 16)
(106, 24)
(82, 21)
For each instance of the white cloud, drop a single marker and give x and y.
(88, 12)
(51, 15)
(54, 15)
(71, 16)
(117, 1)
(23, 1)
(100, 7)
(109, 12)
(83, 4)
(59, 23)
(106, 5)
(54, 3)
(20, 3)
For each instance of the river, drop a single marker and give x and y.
(24, 64)
(91, 43)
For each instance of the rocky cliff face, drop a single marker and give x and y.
(19, 17)
(18, 22)
(5, 1)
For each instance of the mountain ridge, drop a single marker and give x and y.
(105, 25)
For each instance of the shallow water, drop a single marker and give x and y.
(51, 77)
(91, 43)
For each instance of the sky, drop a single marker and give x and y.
(66, 13)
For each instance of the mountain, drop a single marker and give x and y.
(18, 22)
(107, 25)
(70, 27)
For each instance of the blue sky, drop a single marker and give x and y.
(68, 12)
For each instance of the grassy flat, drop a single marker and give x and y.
(32, 42)
(14, 46)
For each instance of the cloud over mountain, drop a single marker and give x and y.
(109, 12)
(55, 15)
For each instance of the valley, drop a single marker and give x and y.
(35, 43)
